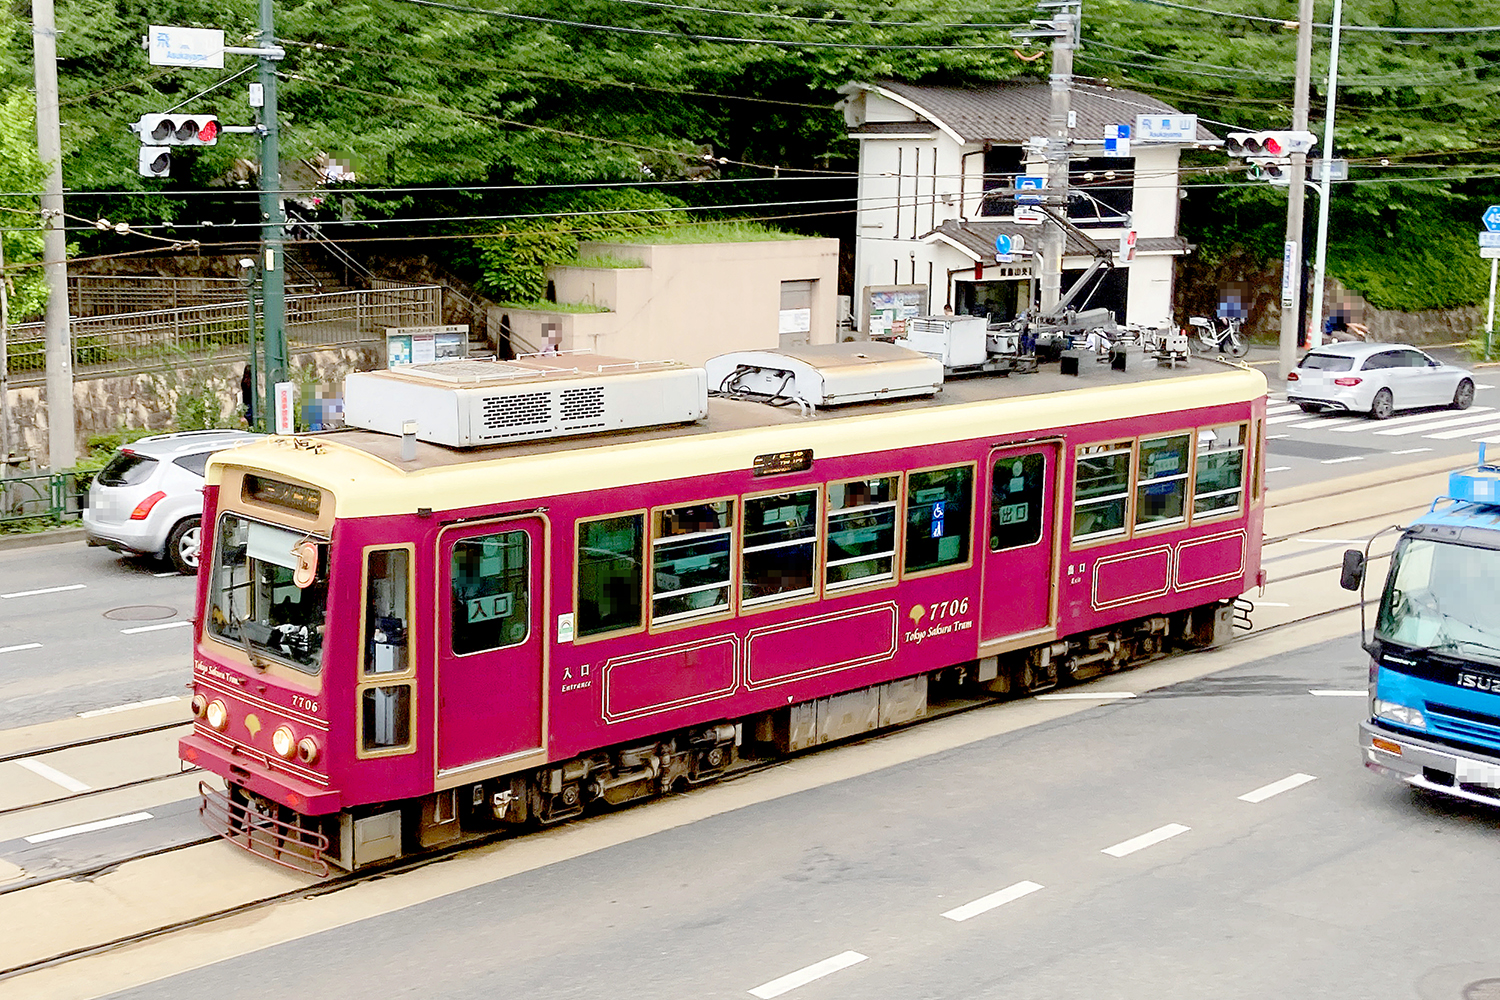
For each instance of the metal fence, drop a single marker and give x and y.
(144, 341)
(44, 497)
(112, 294)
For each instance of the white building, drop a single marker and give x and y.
(929, 160)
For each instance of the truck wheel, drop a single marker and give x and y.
(183, 545)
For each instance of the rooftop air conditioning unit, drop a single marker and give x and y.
(825, 374)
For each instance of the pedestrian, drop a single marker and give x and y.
(247, 395)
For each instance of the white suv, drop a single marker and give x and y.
(149, 498)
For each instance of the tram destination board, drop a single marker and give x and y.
(277, 493)
(780, 462)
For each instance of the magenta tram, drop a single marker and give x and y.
(397, 651)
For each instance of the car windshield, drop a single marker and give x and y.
(1443, 596)
(1326, 362)
(126, 469)
(255, 601)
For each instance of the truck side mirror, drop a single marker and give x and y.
(1353, 572)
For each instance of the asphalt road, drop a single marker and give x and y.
(1214, 838)
(83, 628)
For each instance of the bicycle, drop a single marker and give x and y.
(1218, 336)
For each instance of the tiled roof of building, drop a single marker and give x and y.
(1014, 111)
(979, 238)
(894, 128)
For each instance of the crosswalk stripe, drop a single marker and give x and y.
(1412, 419)
(1274, 408)
(1282, 420)
(1472, 433)
(1437, 425)
(1329, 423)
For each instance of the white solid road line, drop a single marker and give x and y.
(1280, 468)
(1328, 693)
(134, 704)
(802, 977)
(1085, 696)
(1146, 840)
(53, 775)
(44, 590)
(986, 903)
(17, 649)
(1410, 451)
(103, 824)
(1277, 787)
(1339, 461)
(153, 628)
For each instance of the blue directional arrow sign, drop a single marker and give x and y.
(1491, 218)
(1002, 245)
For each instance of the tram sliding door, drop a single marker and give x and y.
(1019, 575)
(489, 673)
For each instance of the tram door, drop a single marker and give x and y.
(1019, 575)
(489, 675)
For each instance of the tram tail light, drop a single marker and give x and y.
(308, 750)
(1347, 381)
(144, 507)
(216, 715)
(284, 743)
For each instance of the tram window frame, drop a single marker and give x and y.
(872, 510)
(1124, 493)
(1238, 490)
(1258, 461)
(1036, 521)
(582, 632)
(398, 684)
(966, 538)
(660, 539)
(747, 549)
(455, 601)
(1178, 484)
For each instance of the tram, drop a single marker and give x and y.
(513, 591)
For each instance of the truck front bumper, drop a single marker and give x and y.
(1431, 766)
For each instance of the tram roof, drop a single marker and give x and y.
(367, 474)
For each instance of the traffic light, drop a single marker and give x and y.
(1277, 170)
(178, 129)
(1275, 143)
(156, 161)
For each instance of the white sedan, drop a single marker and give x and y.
(1377, 379)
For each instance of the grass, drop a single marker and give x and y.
(542, 305)
(603, 260)
(712, 232)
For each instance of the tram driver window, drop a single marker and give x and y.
(861, 531)
(939, 504)
(690, 560)
(1161, 481)
(490, 581)
(780, 546)
(1101, 490)
(1017, 490)
(1219, 470)
(610, 584)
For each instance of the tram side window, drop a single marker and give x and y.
(1161, 481)
(690, 560)
(1017, 491)
(385, 716)
(1101, 490)
(385, 707)
(1220, 469)
(780, 546)
(610, 584)
(861, 531)
(491, 581)
(939, 505)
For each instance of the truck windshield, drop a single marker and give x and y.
(255, 601)
(1443, 596)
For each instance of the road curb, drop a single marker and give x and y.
(57, 536)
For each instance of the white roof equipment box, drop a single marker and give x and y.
(464, 403)
(825, 374)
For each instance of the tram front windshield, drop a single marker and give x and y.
(254, 599)
(1443, 596)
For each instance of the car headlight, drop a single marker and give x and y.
(216, 715)
(1394, 711)
(284, 743)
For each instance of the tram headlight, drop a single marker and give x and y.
(216, 715)
(198, 705)
(284, 743)
(308, 750)
(1394, 711)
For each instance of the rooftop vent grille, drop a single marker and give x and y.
(586, 404)
(509, 415)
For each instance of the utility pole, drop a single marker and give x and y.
(1054, 239)
(62, 447)
(1320, 279)
(4, 368)
(272, 218)
(1291, 258)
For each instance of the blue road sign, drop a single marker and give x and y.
(1029, 189)
(1002, 244)
(1492, 218)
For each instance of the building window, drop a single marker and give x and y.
(1161, 481)
(491, 581)
(861, 531)
(1220, 470)
(691, 560)
(780, 546)
(1017, 490)
(1101, 490)
(938, 511)
(609, 573)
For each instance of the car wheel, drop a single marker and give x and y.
(1463, 395)
(1383, 405)
(1310, 408)
(183, 544)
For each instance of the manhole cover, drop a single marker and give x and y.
(140, 613)
(1482, 989)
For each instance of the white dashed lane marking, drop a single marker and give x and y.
(103, 824)
(1146, 840)
(1277, 787)
(802, 977)
(44, 590)
(53, 775)
(986, 903)
(17, 649)
(153, 628)
(134, 704)
(1328, 693)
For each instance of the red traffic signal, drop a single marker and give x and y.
(178, 129)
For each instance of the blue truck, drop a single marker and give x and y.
(1435, 653)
